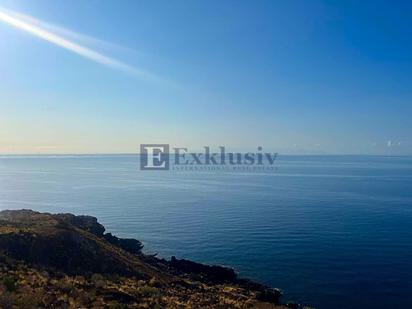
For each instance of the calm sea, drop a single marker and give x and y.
(330, 231)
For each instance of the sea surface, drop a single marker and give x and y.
(330, 231)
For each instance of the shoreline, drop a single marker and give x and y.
(72, 246)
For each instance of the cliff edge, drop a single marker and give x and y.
(67, 261)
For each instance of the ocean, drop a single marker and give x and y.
(329, 231)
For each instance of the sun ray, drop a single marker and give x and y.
(36, 30)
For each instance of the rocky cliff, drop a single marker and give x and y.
(67, 261)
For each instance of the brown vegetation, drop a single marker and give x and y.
(66, 261)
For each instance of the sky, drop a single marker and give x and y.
(296, 77)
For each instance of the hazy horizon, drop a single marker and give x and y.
(294, 77)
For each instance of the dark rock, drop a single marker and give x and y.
(129, 244)
(269, 295)
(215, 274)
(86, 223)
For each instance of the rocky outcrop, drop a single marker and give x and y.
(214, 274)
(87, 223)
(69, 245)
(75, 245)
(90, 224)
(129, 244)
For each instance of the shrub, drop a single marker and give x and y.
(147, 291)
(10, 284)
(98, 281)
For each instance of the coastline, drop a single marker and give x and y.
(48, 247)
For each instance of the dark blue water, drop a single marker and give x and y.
(330, 231)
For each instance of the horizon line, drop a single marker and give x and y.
(136, 153)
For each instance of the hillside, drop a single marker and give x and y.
(67, 261)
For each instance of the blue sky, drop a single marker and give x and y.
(293, 76)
